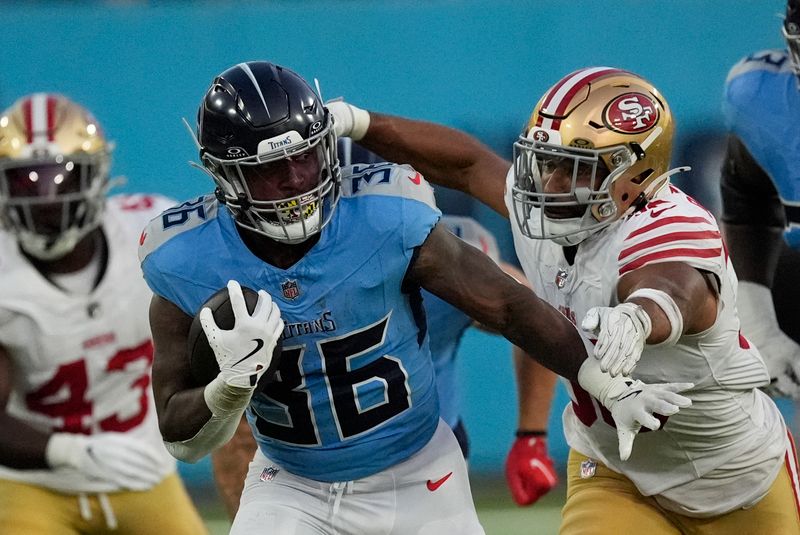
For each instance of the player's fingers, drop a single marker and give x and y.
(518, 490)
(676, 387)
(649, 421)
(629, 366)
(681, 402)
(278, 328)
(591, 320)
(207, 323)
(264, 307)
(616, 366)
(625, 439)
(236, 296)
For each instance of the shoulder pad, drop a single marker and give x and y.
(773, 60)
(386, 179)
(135, 210)
(475, 234)
(174, 221)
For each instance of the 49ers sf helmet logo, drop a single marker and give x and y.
(631, 113)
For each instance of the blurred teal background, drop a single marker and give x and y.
(476, 65)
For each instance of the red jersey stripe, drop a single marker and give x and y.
(670, 237)
(669, 253)
(662, 221)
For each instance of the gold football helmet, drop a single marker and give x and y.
(54, 165)
(609, 132)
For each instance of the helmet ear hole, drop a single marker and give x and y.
(641, 177)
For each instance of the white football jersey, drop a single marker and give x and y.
(724, 451)
(81, 363)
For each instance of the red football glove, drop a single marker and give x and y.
(529, 470)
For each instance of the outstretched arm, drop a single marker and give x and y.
(446, 156)
(477, 286)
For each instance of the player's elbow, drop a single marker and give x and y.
(185, 453)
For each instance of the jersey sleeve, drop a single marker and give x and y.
(672, 230)
(163, 260)
(397, 195)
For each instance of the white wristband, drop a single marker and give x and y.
(227, 404)
(360, 123)
(63, 449)
(670, 309)
(599, 384)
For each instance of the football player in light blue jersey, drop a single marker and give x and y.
(347, 417)
(761, 200)
(529, 468)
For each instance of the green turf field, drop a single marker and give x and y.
(498, 514)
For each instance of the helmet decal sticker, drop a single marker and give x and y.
(631, 113)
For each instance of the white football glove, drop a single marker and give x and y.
(632, 403)
(244, 352)
(115, 458)
(781, 354)
(621, 332)
(348, 120)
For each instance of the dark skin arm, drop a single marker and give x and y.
(21, 446)
(181, 408)
(477, 286)
(692, 290)
(445, 156)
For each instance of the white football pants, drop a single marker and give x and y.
(427, 494)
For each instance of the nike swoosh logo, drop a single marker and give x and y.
(259, 344)
(433, 485)
(656, 213)
(416, 179)
(629, 394)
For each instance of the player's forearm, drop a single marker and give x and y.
(544, 333)
(437, 151)
(21, 446)
(535, 386)
(183, 415)
(226, 404)
(754, 251)
(445, 156)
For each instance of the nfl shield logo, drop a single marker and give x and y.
(269, 473)
(588, 468)
(561, 278)
(290, 289)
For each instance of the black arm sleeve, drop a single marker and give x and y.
(748, 195)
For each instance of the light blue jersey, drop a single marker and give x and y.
(355, 392)
(447, 323)
(761, 105)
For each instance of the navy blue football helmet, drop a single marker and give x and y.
(256, 121)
